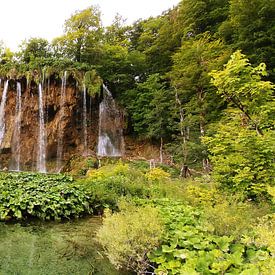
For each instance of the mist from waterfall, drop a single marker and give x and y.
(16, 149)
(110, 136)
(60, 133)
(41, 153)
(2, 112)
(85, 131)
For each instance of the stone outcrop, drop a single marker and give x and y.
(70, 123)
(69, 120)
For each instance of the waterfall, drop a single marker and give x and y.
(41, 154)
(85, 133)
(60, 131)
(16, 150)
(2, 112)
(110, 138)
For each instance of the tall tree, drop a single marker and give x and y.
(250, 27)
(83, 32)
(34, 48)
(241, 85)
(151, 107)
(243, 144)
(196, 105)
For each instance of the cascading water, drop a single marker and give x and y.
(110, 138)
(41, 154)
(16, 150)
(60, 133)
(85, 132)
(2, 112)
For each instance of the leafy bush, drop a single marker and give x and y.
(129, 235)
(230, 217)
(243, 161)
(201, 193)
(190, 247)
(43, 196)
(106, 185)
(157, 174)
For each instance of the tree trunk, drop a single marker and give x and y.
(205, 160)
(184, 132)
(161, 150)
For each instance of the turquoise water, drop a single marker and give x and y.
(52, 248)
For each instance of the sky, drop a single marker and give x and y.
(24, 19)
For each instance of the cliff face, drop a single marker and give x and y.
(103, 134)
(69, 121)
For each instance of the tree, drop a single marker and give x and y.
(250, 27)
(200, 16)
(151, 109)
(242, 85)
(243, 161)
(242, 146)
(196, 104)
(83, 33)
(117, 33)
(34, 48)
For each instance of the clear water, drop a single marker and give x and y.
(52, 249)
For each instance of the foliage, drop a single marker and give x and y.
(249, 27)
(34, 48)
(201, 193)
(129, 235)
(157, 174)
(243, 161)
(195, 103)
(231, 217)
(106, 185)
(190, 247)
(147, 101)
(242, 85)
(41, 196)
(264, 236)
(203, 16)
(82, 30)
(242, 146)
(92, 82)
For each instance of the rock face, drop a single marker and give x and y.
(69, 120)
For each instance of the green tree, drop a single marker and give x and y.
(151, 109)
(196, 104)
(243, 161)
(117, 33)
(196, 17)
(83, 33)
(241, 84)
(250, 27)
(34, 48)
(242, 146)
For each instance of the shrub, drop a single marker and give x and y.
(43, 196)
(231, 217)
(157, 174)
(128, 236)
(190, 247)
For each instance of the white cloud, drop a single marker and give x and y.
(21, 20)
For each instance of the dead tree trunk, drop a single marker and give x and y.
(161, 151)
(184, 132)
